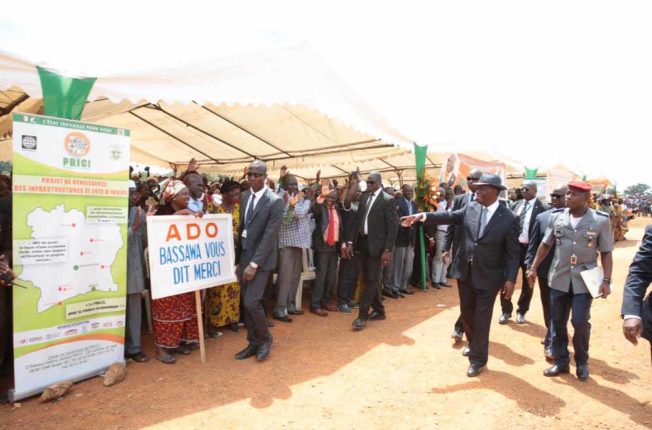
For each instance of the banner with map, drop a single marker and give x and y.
(70, 205)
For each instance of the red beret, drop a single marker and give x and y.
(580, 186)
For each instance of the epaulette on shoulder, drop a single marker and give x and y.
(603, 214)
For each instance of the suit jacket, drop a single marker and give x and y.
(536, 236)
(638, 281)
(405, 236)
(455, 235)
(320, 212)
(262, 234)
(537, 209)
(382, 223)
(491, 259)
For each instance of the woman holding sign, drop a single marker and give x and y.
(175, 317)
(223, 302)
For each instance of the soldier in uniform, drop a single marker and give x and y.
(579, 233)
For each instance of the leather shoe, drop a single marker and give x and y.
(390, 294)
(520, 318)
(466, 351)
(249, 351)
(344, 308)
(331, 307)
(359, 324)
(283, 318)
(319, 311)
(582, 372)
(556, 370)
(296, 312)
(263, 350)
(445, 285)
(474, 370)
(138, 357)
(504, 318)
(377, 316)
(407, 291)
(435, 285)
(457, 335)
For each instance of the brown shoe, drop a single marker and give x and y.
(319, 311)
(331, 307)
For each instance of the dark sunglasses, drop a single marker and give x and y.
(371, 182)
(556, 196)
(470, 179)
(254, 175)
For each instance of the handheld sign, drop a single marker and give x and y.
(189, 254)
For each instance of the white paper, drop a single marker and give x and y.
(593, 279)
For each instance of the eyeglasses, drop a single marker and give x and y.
(371, 182)
(556, 196)
(254, 175)
(524, 189)
(472, 179)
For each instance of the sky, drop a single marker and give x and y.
(546, 83)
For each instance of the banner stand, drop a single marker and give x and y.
(200, 324)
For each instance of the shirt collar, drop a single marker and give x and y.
(492, 207)
(260, 192)
(531, 202)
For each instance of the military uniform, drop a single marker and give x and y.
(576, 250)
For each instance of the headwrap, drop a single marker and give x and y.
(172, 188)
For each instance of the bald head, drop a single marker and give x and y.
(257, 174)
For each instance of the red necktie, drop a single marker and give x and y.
(330, 236)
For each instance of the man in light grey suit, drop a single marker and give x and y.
(256, 256)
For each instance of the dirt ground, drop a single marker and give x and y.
(404, 372)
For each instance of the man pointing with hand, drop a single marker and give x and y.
(488, 261)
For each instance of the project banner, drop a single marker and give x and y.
(189, 254)
(70, 200)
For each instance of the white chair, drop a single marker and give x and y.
(307, 274)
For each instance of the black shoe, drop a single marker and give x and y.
(582, 372)
(556, 370)
(377, 316)
(354, 305)
(445, 285)
(359, 324)
(390, 294)
(263, 351)
(466, 351)
(474, 370)
(435, 285)
(138, 357)
(400, 294)
(407, 291)
(249, 351)
(504, 318)
(457, 335)
(283, 318)
(296, 312)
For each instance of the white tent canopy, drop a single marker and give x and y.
(283, 106)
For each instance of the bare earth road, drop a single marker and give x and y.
(400, 373)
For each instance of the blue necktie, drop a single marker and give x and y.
(247, 220)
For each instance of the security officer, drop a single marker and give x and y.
(579, 234)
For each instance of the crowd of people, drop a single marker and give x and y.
(361, 241)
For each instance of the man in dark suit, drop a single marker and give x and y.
(527, 209)
(374, 237)
(455, 239)
(557, 199)
(256, 256)
(489, 258)
(325, 243)
(403, 257)
(637, 312)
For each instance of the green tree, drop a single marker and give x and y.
(637, 189)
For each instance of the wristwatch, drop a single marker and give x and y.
(607, 280)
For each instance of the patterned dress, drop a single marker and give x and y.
(175, 317)
(223, 302)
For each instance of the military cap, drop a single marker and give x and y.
(580, 186)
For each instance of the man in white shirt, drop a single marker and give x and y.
(527, 210)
